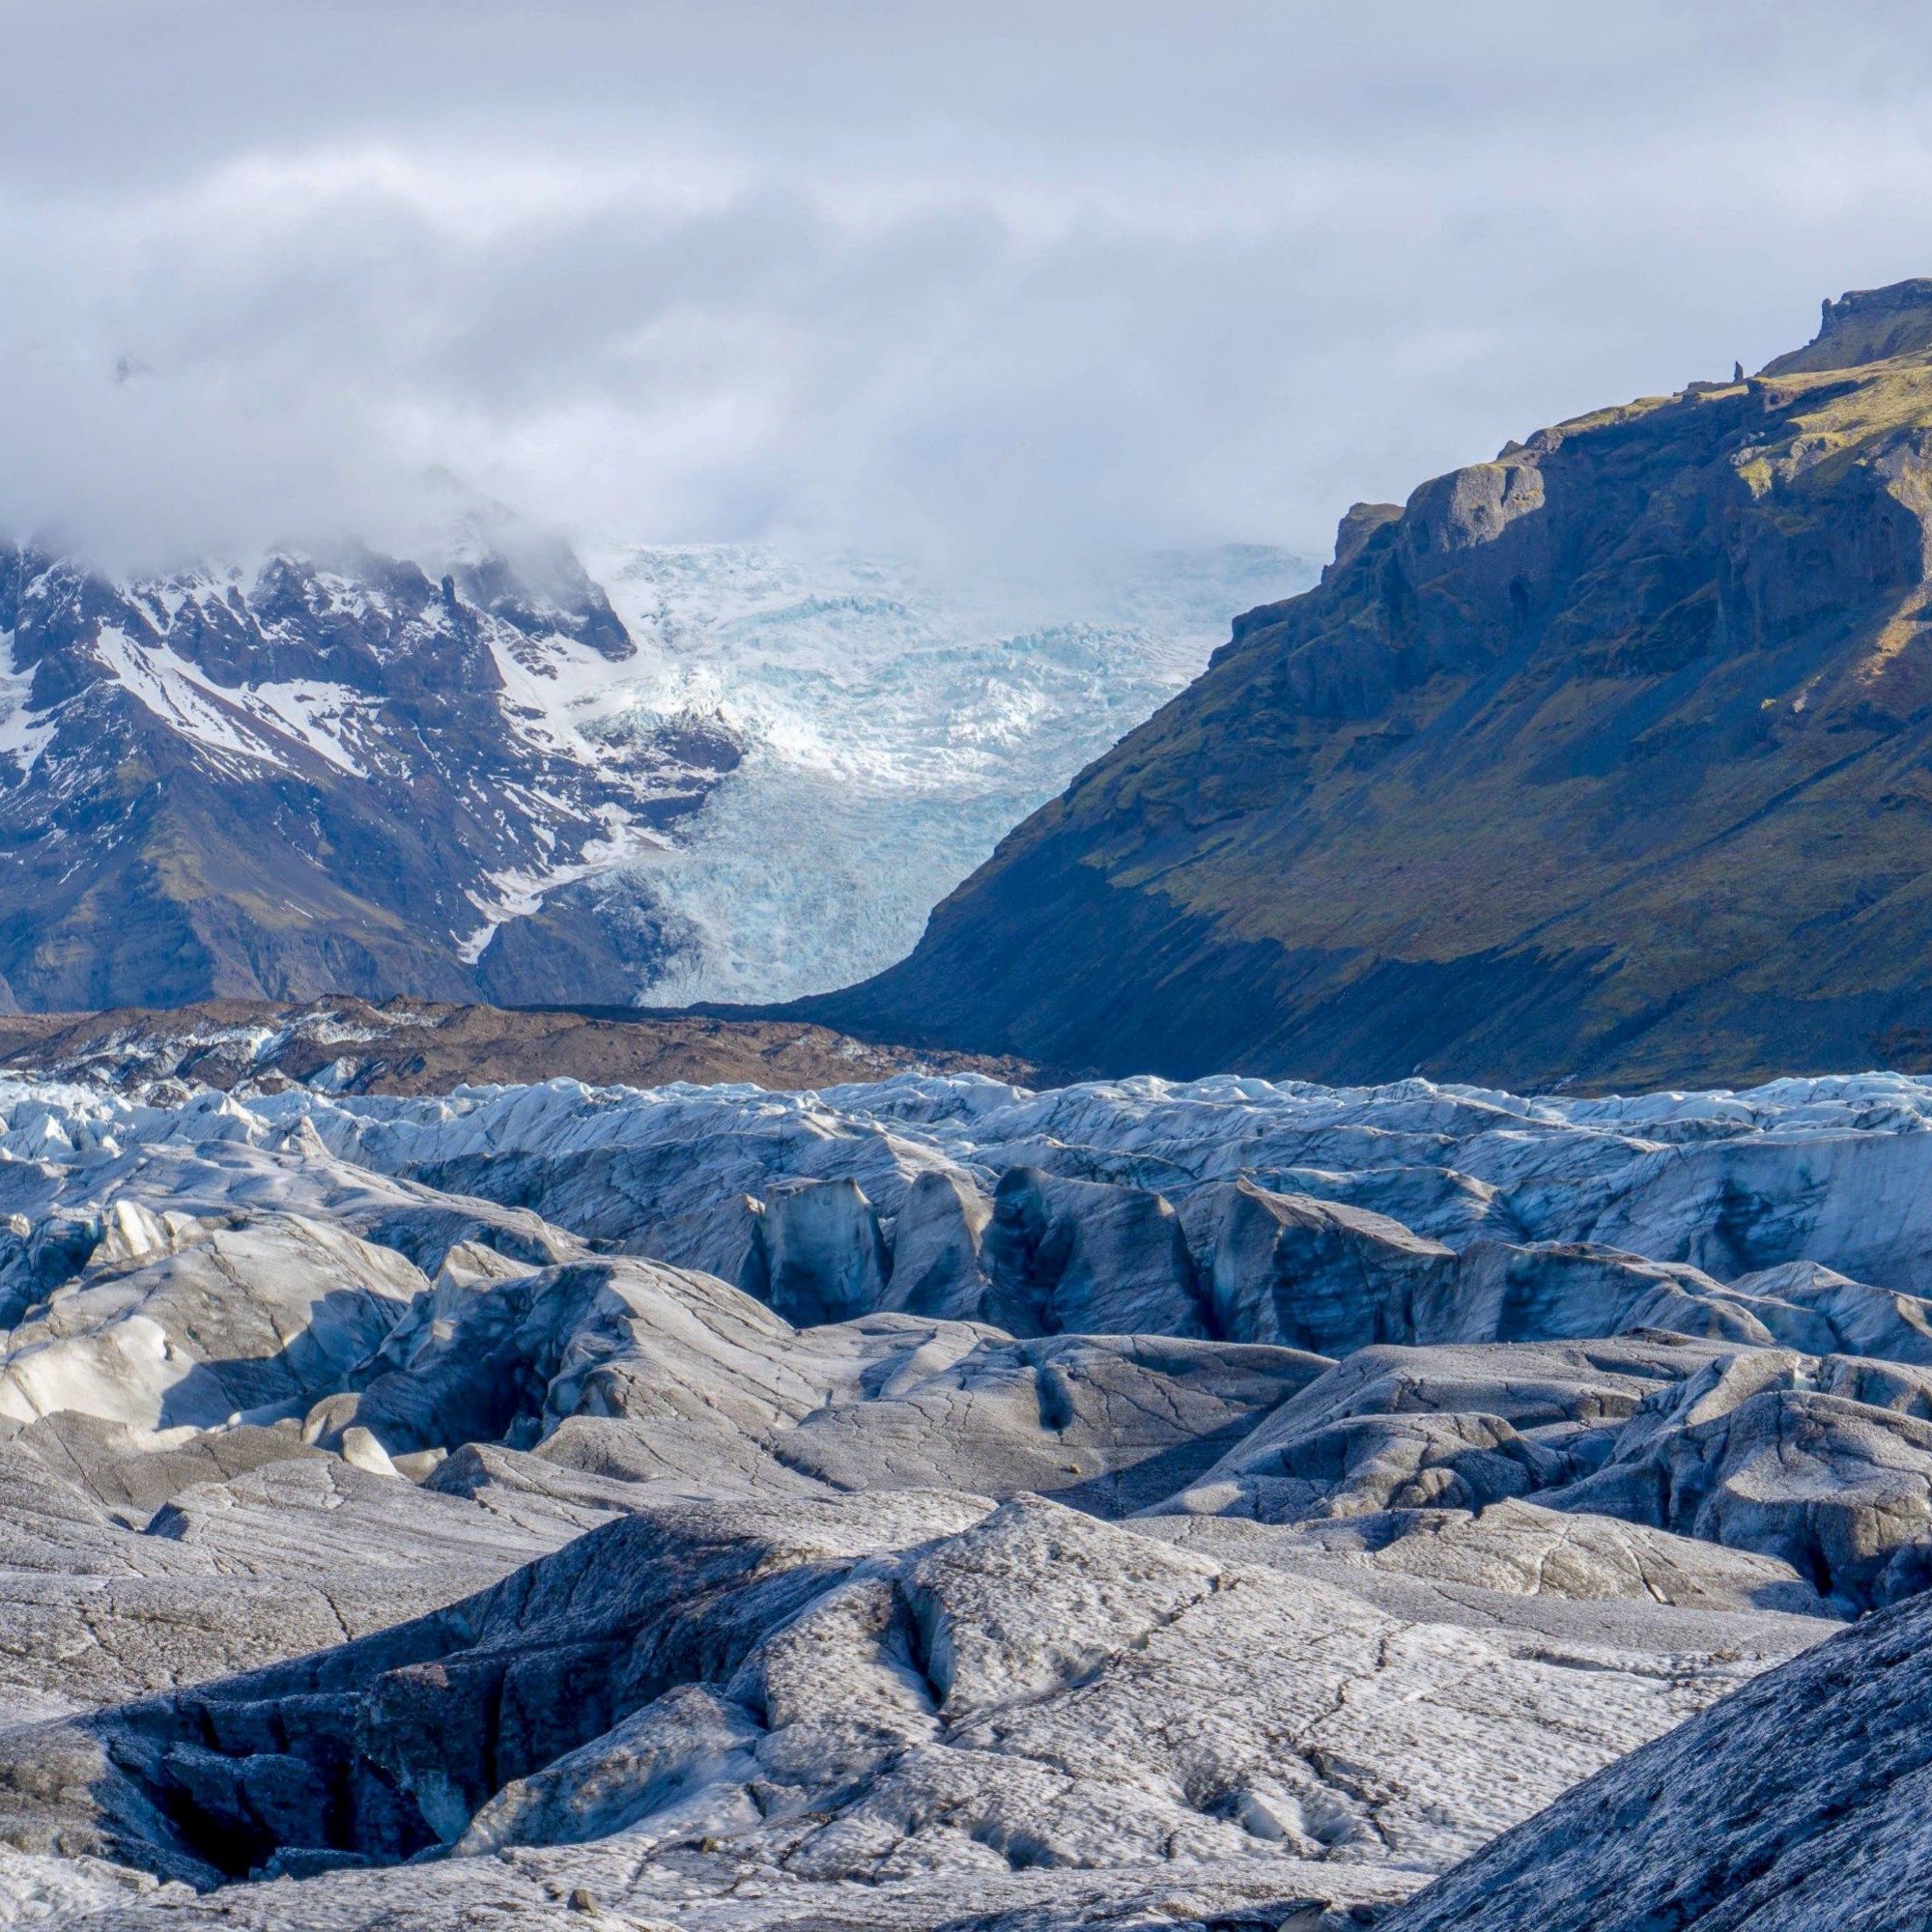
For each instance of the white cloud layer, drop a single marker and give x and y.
(1034, 283)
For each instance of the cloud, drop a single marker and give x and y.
(1027, 284)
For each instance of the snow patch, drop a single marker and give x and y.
(518, 894)
(245, 720)
(23, 733)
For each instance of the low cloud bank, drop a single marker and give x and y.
(961, 284)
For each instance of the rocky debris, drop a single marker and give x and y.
(1443, 811)
(420, 1046)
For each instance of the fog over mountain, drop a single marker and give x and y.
(970, 283)
(964, 969)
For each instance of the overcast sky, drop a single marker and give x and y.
(1034, 281)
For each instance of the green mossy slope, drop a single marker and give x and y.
(1609, 760)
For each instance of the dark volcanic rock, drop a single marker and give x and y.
(1604, 760)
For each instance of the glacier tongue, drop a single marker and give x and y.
(895, 728)
(1225, 1503)
(378, 1550)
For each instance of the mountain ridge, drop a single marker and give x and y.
(326, 776)
(1605, 760)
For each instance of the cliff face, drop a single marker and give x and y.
(1610, 759)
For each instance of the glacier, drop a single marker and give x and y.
(895, 726)
(924, 1502)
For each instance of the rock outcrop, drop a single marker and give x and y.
(1601, 763)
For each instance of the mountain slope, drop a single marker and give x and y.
(320, 777)
(1612, 758)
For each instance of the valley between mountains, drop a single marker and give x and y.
(1333, 1347)
(717, 772)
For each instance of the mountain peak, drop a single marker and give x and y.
(1865, 326)
(364, 770)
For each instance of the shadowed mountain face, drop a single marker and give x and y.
(318, 778)
(1609, 759)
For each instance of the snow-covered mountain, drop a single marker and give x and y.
(740, 774)
(311, 775)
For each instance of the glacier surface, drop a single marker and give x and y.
(895, 728)
(929, 1502)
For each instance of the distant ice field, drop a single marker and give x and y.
(1836, 1170)
(896, 730)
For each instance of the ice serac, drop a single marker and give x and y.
(401, 1519)
(1603, 761)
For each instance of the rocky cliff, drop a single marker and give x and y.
(1610, 759)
